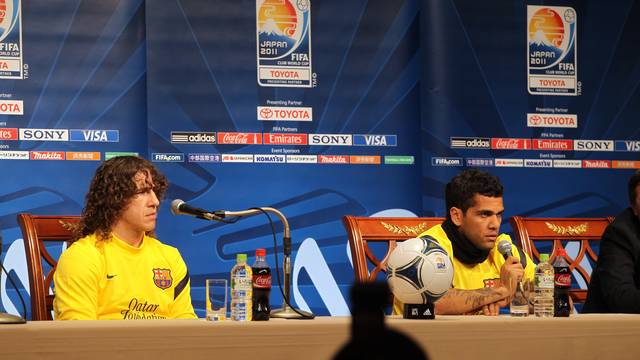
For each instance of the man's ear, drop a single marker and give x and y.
(456, 215)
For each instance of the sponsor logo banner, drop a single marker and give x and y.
(510, 144)
(538, 163)
(239, 138)
(83, 155)
(330, 139)
(621, 145)
(551, 50)
(479, 162)
(624, 164)
(193, 137)
(302, 159)
(237, 158)
(14, 155)
(446, 161)
(111, 154)
(509, 162)
(283, 35)
(284, 139)
(562, 163)
(8, 134)
(94, 135)
(552, 120)
(375, 140)
(11, 39)
(552, 145)
(44, 134)
(596, 164)
(364, 159)
(11, 107)
(470, 142)
(197, 157)
(333, 159)
(284, 113)
(593, 145)
(47, 155)
(267, 158)
(167, 157)
(399, 160)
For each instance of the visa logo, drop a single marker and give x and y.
(375, 140)
(94, 135)
(625, 145)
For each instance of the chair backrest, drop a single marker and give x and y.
(37, 230)
(364, 231)
(556, 231)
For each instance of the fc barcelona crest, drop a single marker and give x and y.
(162, 278)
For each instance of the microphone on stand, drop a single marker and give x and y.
(179, 207)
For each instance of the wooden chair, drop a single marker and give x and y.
(37, 231)
(365, 231)
(555, 232)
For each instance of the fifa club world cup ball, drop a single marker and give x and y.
(419, 271)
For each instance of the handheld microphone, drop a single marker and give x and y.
(179, 207)
(504, 248)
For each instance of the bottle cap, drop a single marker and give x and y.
(561, 252)
(241, 258)
(261, 252)
(544, 257)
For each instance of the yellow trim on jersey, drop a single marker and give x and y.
(113, 280)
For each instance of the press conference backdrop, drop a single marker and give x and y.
(319, 109)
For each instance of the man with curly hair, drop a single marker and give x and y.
(483, 280)
(116, 269)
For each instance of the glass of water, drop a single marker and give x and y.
(519, 306)
(216, 304)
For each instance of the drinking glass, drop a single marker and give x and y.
(216, 304)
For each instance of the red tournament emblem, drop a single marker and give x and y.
(490, 282)
(162, 278)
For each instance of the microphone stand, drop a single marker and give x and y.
(286, 312)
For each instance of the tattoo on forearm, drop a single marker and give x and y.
(474, 298)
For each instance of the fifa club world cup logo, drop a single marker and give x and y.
(10, 40)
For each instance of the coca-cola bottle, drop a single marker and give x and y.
(261, 286)
(562, 283)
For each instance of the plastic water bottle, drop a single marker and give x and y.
(241, 279)
(544, 287)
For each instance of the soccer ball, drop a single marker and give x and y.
(419, 271)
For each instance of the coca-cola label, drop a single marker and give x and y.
(563, 280)
(262, 281)
(239, 138)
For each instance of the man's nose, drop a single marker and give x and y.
(154, 199)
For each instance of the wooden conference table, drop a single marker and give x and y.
(594, 336)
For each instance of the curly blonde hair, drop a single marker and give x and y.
(111, 189)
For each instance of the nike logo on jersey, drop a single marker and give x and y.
(109, 276)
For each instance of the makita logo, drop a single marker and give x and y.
(285, 139)
(193, 137)
(596, 164)
(554, 145)
(280, 113)
(509, 163)
(44, 135)
(330, 139)
(47, 155)
(14, 155)
(510, 144)
(302, 159)
(269, 158)
(633, 146)
(11, 107)
(473, 143)
(552, 120)
(167, 157)
(443, 161)
(239, 138)
(94, 135)
(539, 163)
(479, 162)
(593, 145)
(8, 134)
(375, 140)
(333, 159)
